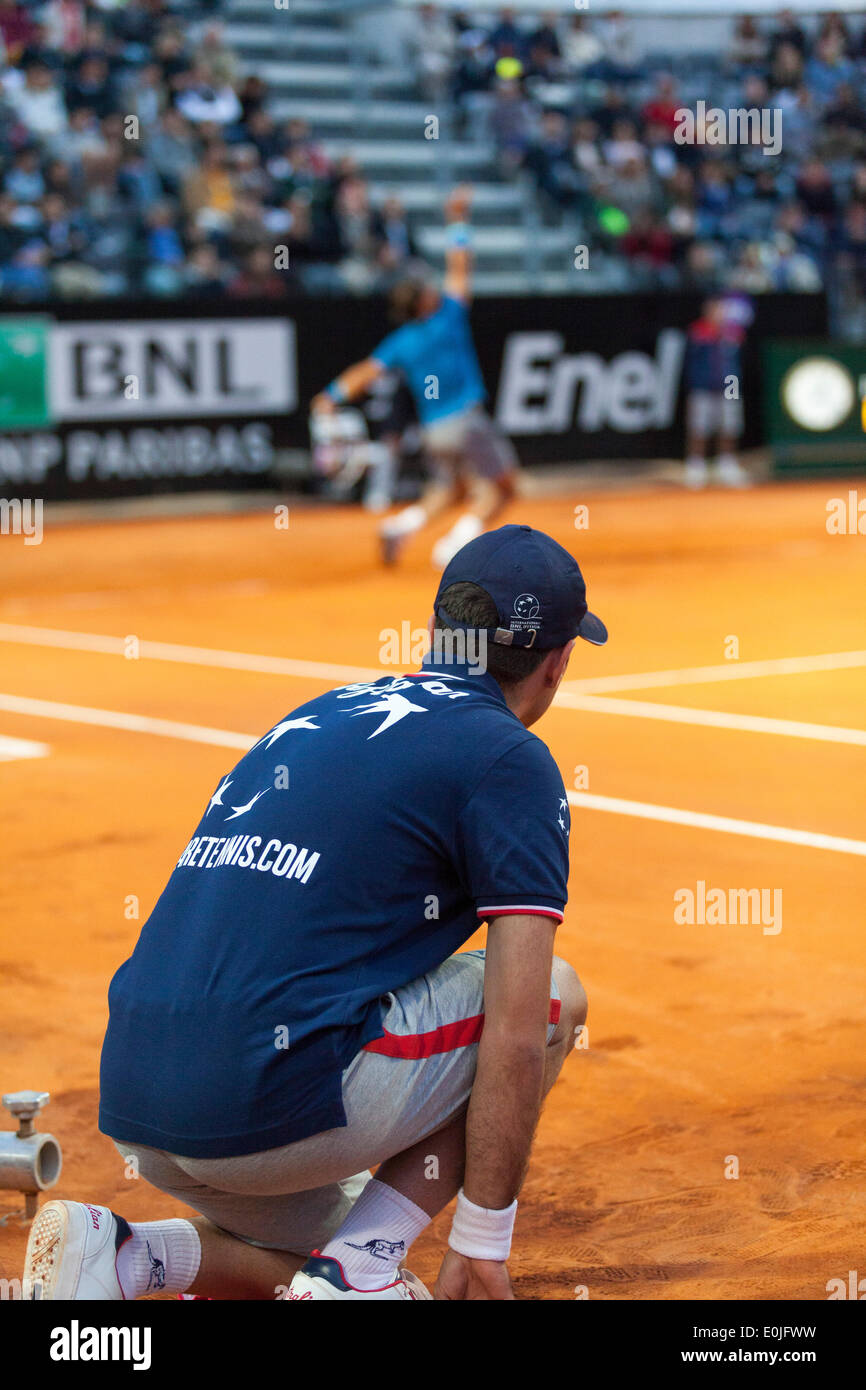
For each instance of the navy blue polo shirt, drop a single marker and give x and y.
(352, 849)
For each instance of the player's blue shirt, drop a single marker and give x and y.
(353, 849)
(439, 347)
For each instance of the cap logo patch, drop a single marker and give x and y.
(525, 615)
(526, 606)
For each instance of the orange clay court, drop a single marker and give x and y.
(706, 1043)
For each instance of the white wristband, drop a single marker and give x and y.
(482, 1233)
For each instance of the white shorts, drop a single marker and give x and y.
(711, 412)
(469, 441)
(398, 1090)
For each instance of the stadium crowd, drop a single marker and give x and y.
(139, 157)
(573, 103)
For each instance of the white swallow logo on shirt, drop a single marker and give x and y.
(217, 798)
(305, 722)
(242, 810)
(395, 707)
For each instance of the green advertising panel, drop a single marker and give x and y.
(814, 394)
(24, 373)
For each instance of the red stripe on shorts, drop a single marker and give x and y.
(447, 1038)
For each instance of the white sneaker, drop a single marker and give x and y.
(696, 473)
(322, 1277)
(71, 1253)
(464, 530)
(731, 473)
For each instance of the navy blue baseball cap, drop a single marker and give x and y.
(536, 585)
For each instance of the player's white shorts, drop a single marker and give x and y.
(399, 1089)
(710, 412)
(469, 441)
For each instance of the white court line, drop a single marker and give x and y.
(731, 671)
(190, 656)
(711, 718)
(132, 723)
(225, 738)
(11, 748)
(566, 697)
(645, 810)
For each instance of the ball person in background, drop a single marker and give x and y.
(714, 380)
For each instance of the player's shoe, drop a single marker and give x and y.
(696, 474)
(464, 530)
(390, 545)
(731, 473)
(71, 1253)
(322, 1277)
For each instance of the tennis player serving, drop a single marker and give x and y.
(434, 350)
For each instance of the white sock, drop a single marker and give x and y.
(405, 522)
(376, 1235)
(161, 1257)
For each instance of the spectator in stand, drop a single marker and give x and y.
(64, 24)
(829, 69)
(551, 161)
(17, 28)
(663, 105)
(661, 152)
(851, 248)
(164, 244)
(581, 48)
(38, 102)
(144, 95)
(203, 98)
(172, 147)
(393, 235)
(715, 197)
(24, 181)
(259, 278)
(786, 68)
(356, 233)
(91, 86)
(681, 217)
(834, 26)
(586, 149)
(432, 47)
(624, 144)
(208, 190)
(787, 30)
(621, 51)
(253, 96)
(815, 190)
(614, 107)
(544, 42)
(844, 123)
(748, 48)
(473, 73)
(511, 124)
(204, 275)
(649, 246)
(632, 189)
(508, 40)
